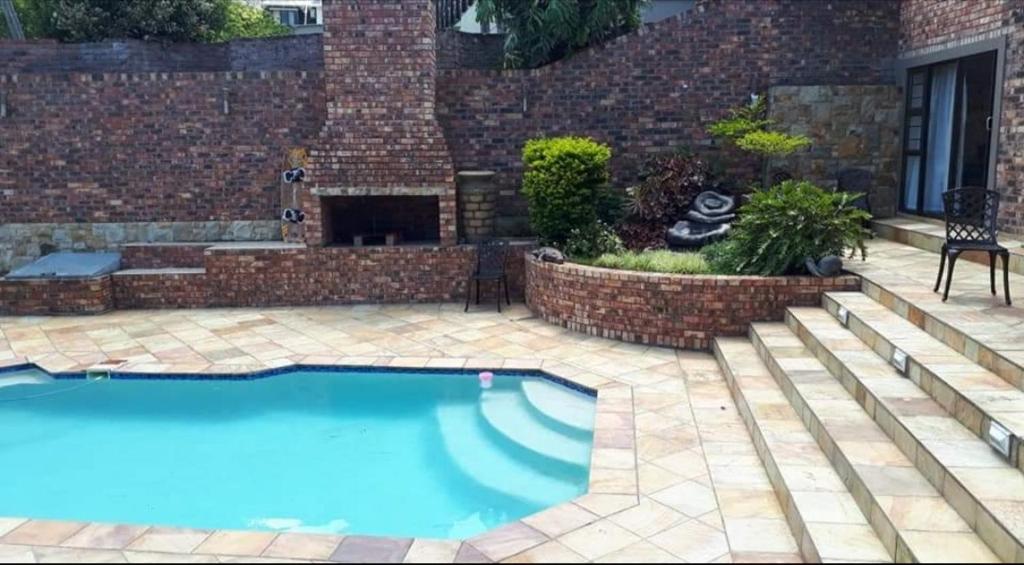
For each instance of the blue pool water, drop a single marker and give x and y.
(372, 453)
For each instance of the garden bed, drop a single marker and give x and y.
(684, 311)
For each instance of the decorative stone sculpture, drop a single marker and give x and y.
(549, 255)
(709, 220)
(830, 266)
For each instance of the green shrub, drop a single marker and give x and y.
(780, 227)
(592, 241)
(772, 143)
(750, 130)
(566, 186)
(661, 261)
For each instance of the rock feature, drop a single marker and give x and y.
(708, 220)
(830, 266)
(549, 255)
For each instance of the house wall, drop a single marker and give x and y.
(658, 89)
(932, 26)
(138, 143)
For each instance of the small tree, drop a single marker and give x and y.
(242, 20)
(749, 129)
(541, 31)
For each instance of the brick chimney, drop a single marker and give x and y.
(381, 137)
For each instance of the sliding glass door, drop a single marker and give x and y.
(947, 130)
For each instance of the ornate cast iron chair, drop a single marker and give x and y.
(490, 266)
(971, 215)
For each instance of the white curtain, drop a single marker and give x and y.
(940, 136)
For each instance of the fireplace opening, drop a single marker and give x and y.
(381, 220)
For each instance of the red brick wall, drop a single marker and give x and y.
(39, 297)
(931, 25)
(160, 290)
(151, 147)
(153, 256)
(668, 310)
(658, 89)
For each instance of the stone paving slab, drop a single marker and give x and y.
(923, 527)
(951, 459)
(975, 396)
(670, 457)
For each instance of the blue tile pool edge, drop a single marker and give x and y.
(278, 371)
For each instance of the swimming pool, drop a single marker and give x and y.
(412, 454)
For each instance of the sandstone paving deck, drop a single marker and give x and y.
(674, 478)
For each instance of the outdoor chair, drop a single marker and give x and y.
(971, 215)
(490, 266)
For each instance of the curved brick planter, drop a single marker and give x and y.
(684, 311)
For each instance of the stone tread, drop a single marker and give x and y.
(823, 515)
(915, 517)
(966, 383)
(955, 459)
(991, 338)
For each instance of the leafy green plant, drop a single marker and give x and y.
(749, 129)
(667, 188)
(780, 227)
(170, 20)
(541, 31)
(566, 186)
(593, 240)
(660, 261)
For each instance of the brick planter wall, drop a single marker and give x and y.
(38, 297)
(668, 310)
(155, 290)
(163, 256)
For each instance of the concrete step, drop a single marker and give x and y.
(911, 515)
(951, 457)
(973, 395)
(823, 515)
(989, 337)
(929, 234)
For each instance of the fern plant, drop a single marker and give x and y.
(780, 227)
(538, 32)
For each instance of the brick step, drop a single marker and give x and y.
(973, 395)
(975, 480)
(929, 235)
(991, 341)
(910, 514)
(823, 515)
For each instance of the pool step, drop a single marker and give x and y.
(473, 450)
(822, 513)
(912, 518)
(973, 395)
(986, 490)
(571, 410)
(508, 413)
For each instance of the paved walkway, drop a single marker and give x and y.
(675, 476)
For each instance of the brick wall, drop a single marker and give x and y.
(658, 89)
(929, 26)
(457, 50)
(668, 310)
(293, 53)
(38, 297)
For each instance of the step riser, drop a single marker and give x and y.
(956, 340)
(877, 517)
(933, 243)
(808, 549)
(955, 404)
(974, 513)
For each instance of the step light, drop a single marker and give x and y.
(1000, 439)
(899, 360)
(844, 316)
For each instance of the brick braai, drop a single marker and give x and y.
(381, 137)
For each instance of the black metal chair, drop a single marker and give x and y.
(971, 216)
(490, 266)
